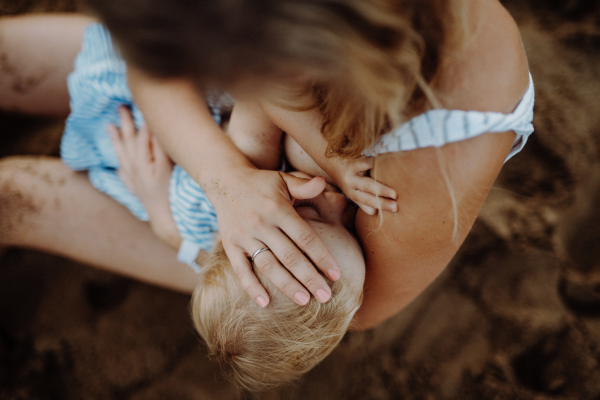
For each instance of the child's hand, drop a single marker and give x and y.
(146, 170)
(352, 178)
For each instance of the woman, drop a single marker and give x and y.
(440, 189)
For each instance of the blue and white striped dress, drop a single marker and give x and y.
(98, 86)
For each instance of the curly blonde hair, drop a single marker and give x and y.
(259, 348)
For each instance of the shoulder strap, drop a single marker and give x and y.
(439, 127)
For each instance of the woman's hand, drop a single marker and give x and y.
(146, 170)
(254, 209)
(352, 177)
(253, 206)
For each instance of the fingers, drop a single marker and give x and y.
(309, 242)
(243, 270)
(115, 137)
(301, 188)
(370, 185)
(124, 170)
(269, 266)
(129, 137)
(363, 164)
(371, 195)
(367, 210)
(367, 201)
(158, 152)
(143, 145)
(127, 125)
(303, 271)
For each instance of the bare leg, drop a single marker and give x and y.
(36, 55)
(45, 205)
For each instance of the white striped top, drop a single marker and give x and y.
(436, 128)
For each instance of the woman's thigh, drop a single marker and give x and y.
(36, 55)
(45, 205)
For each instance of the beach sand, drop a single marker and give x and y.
(515, 316)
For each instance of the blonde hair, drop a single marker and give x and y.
(260, 348)
(371, 63)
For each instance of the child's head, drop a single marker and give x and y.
(259, 348)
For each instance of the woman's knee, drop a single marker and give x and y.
(18, 203)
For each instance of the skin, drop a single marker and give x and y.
(146, 170)
(405, 251)
(408, 249)
(245, 226)
(24, 38)
(43, 204)
(330, 216)
(36, 54)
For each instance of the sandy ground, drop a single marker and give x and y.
(515, 316)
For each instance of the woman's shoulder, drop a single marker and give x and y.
(490, 72)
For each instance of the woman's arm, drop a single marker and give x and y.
(253, 206)
(406, 251)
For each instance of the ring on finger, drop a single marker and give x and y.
(257, 252)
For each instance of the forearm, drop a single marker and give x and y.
(254, 207)
(176, 106)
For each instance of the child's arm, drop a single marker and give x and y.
(146, 170)
(253, 206)
(350, 175)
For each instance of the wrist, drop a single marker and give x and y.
(217, 171)
(225, 183)
(163, 225)
(335, 167)
(168, 233)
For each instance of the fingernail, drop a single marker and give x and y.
(322, 295)
(334, 275)
(301, 298)
(262, 301)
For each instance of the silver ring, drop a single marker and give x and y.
(257, 252)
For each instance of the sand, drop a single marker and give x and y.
(515, 316)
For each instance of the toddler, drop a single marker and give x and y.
(258, 347)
